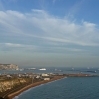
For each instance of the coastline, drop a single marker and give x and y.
(13, 94)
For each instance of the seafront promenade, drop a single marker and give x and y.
(32, 82)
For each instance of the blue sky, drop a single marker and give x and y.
(49, 32)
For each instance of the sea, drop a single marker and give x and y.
(66, 88)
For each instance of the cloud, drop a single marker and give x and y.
(40, 30)
(37, 48)
(75, 8)
(17, 47)
(13, 45)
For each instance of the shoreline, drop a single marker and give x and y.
(13, 94)
(18, 90)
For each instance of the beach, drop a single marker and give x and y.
(13, 94)
(10, 94)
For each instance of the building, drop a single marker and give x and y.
(8, 66)
(43, 75)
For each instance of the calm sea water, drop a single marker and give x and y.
(55, 70)
(67, 88)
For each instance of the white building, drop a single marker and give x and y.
(45, 75)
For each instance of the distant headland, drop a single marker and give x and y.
(8, 67)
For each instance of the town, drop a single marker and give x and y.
(11, 83)
(8, 67)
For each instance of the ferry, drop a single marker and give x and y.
(31, 68)
(92, 71)
(42, 69)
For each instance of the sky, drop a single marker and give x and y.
(49, 33)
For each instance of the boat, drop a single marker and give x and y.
(92, 71)
(21, 69)
(42, 69)
(58, 70)
(31, 68)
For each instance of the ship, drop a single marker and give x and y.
(42, 69)
(31, 68)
